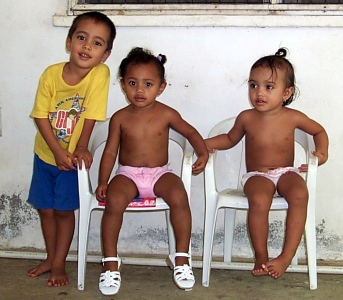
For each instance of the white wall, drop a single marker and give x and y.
(207, 70)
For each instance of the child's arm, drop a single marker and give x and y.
(227, 140)
(63, 157)
(321, 141)
(81, 152)
(199, 146)
(108, 159)
(194, 138)
(320, 137)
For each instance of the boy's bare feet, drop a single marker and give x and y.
(258, 269)
(276, 267)
(58, 277)
(42, 268)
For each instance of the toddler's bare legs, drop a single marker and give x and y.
(170, 187)
(58, 229)
(293, 188)
(120, 192)
(259, 191)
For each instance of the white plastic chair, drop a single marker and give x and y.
(233, 199)
(88, 201)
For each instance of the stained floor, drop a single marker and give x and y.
(147, 283)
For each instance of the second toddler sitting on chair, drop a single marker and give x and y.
(140, 133)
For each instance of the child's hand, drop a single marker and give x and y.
(209, 149)
(64, 159)
(303, 168)
(100, 192)
(82, 154)
(200, 164)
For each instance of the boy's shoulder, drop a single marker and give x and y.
(55, 67)
(101, 70)
(102, 67)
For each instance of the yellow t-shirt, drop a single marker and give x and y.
(67, 106)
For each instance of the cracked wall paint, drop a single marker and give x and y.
(20, 228)
(18, 222)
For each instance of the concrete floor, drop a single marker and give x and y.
(147, 283)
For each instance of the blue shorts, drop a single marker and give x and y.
(52, 188)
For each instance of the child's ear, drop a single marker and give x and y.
(122, 84)
(106, 55)
(162, 87)
(68, 44)
(288, 93)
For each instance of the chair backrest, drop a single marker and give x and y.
(177, 144)
(229, 165)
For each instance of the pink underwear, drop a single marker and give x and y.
(273, 175)
(144, 178)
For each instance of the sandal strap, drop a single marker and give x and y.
(110, 279)
(183, 254)
(110, 276)
(113, 258)
(183, 273)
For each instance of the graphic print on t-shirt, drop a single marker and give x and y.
(64, 119)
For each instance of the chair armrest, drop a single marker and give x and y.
(186, 168)
(311, 178)
(210, 184)
(83, 180)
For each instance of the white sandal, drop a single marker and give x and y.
(109, 281)
(183, 275)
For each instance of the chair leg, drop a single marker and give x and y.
(310, 237)
(84, 218)
(295, 259)
(171, 236)
(209, 228)
(229, 228)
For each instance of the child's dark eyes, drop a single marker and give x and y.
(269, 87)
(148, 84)
(253, 85)
(81, 38)
(132, 83)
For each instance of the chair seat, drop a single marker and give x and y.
(236, 199)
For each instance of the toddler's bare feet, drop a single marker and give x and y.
(258, 269)
(42, 268)
(58, 277)
(276, 267)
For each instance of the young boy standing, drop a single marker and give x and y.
(71, 97)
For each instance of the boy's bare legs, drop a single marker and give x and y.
(170, 187)
(293, 188)
(58, 229)
(65, 221)
(48, 224)
(259, 191)
(119, 194)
